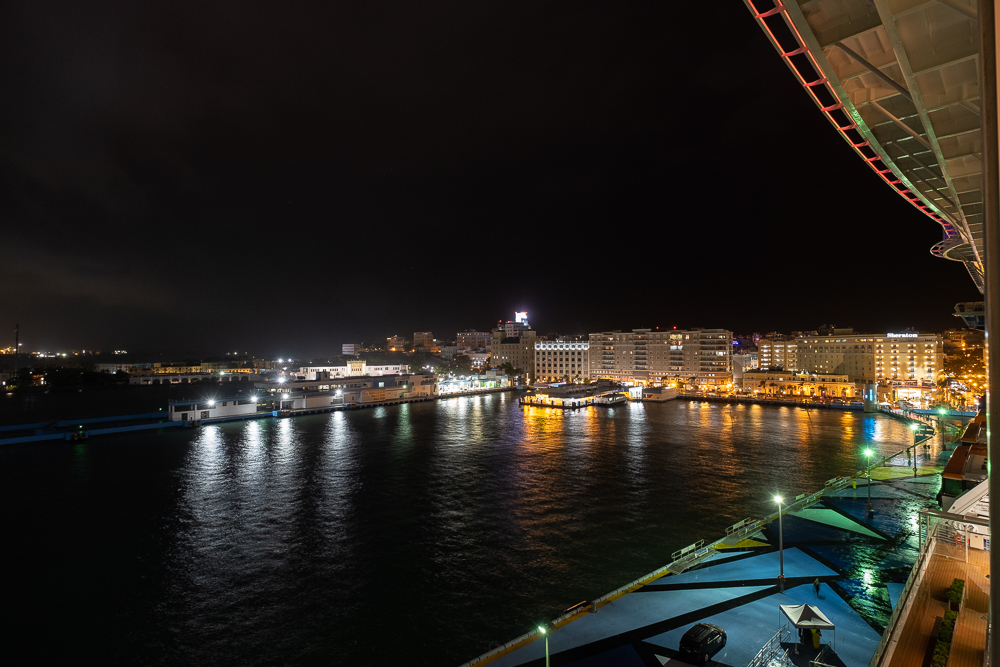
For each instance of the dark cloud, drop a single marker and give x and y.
(283, 177)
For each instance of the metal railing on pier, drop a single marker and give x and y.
(772, 654)
(693, 554)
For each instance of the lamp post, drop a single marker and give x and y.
(546, 633)
(781, 549)
(868, 458)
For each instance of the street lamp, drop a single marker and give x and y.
(868, 456)
(546, 633)
(781, 549)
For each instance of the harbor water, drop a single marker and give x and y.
(416, 534)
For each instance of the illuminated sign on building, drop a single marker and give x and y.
(902, 335)
(521, 317)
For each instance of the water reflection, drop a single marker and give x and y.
(327, 531)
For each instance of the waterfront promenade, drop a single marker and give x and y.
(862, 563)
(84, 429)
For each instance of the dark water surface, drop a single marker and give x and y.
(414, 534)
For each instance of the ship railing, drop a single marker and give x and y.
(685, 553)
(818, 660)
(937, 531)
(889, 638)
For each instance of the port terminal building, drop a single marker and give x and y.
(353, 368)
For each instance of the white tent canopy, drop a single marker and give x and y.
(807, 616)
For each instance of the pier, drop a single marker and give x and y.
(83, 429)
(788, 403)
(863, 562)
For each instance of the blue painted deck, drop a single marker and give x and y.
(861, 561)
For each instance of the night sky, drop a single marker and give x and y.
(285, 177)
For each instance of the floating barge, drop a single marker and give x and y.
(567, 396)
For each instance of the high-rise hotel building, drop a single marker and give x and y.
(646, 356)
(903, 357)
(777, 351)
(514, 343)
(561, 360)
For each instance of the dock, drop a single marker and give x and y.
(75, 430)
(748, 400)
(863, 562)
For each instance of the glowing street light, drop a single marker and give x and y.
(868, 456)
(545, 632)
(781, 549)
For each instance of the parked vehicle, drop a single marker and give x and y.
(701, 642)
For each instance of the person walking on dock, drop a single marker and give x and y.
(816, 586)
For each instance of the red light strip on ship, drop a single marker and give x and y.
(886, 173)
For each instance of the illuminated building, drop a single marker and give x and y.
(187, 378)
(186, 410)
(350, 349)
(423, 339)
(777, 351)
(396, 344)
(113, 368)
(515, 328)
(746, 361)
(473, 339)
(518, 351)
(646, 356)
(562, 358)
(659, 394)
(353, 368)
(790, 383)
(514, 343)
(874, 357)
(478, 356)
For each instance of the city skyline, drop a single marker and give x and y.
(406, 346)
